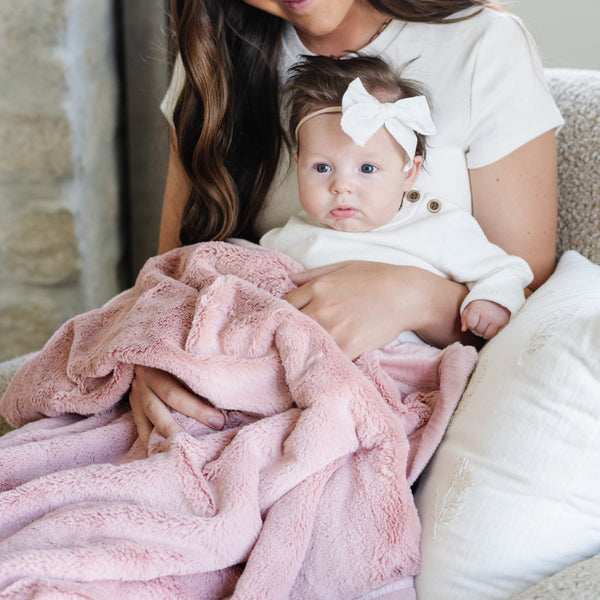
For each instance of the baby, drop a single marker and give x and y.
(360, 133)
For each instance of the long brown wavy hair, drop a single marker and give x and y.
(227, 120)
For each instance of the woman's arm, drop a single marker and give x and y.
(177, 190)
(515, 202)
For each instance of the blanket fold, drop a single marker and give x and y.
(314, 465)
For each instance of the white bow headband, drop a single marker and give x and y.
(363, 115)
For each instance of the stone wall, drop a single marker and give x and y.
(59, 196)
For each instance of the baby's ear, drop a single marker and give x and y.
(413, 173)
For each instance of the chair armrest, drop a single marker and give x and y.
(581, 581)
(8, 369)
(577, 95)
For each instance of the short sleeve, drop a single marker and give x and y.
(510, 100)
(167, 106)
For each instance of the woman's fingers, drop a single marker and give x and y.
(153, 392)
(142, 422)
(148, 410)
(299, 297)
(302, 296)
(306, 276)
(174, 395)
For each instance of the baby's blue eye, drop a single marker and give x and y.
(368, 168)
(322, 168)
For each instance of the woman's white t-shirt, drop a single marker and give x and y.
(487, 87)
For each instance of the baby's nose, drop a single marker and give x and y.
(341, 185)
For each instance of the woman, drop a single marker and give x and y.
(495, 154)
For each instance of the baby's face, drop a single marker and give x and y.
(345, 186)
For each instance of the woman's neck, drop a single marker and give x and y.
(360, 27)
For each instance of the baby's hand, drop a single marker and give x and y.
(484, 318)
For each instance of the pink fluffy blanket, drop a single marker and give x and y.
(305, 494)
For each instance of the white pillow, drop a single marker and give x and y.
(512, 494)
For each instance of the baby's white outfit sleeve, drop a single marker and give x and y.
(487, 270)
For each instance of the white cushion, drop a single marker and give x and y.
(513, 492)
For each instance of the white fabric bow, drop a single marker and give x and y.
(363, 115)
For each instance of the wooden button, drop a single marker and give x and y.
(413, 195)
(434, 206)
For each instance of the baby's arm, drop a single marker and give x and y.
(496, 280)
(484, 318)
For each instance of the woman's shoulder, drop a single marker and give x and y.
(434, 51)
(501, 26)
(473, 24)
(464, 29)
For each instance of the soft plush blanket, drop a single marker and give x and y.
(305, 494)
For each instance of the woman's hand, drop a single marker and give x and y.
(153, 392)
(365, 305)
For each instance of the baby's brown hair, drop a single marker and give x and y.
(320, 81)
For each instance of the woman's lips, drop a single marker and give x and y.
(343, 212)
(295, 4)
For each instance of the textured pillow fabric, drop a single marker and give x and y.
(513, 492)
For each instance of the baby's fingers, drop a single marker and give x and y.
(469, 320)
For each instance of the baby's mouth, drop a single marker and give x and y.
(343, 212)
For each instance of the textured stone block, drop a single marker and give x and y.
(32, 61)
(39, 245)
(24, 327)
(31, 83)
(34, 146)
(38, 22)
(15, 196)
